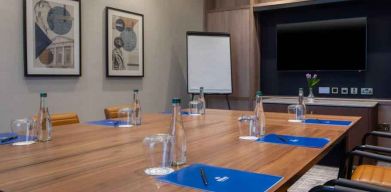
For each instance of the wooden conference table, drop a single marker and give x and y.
(86, 157)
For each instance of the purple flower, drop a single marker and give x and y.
(308, 76)
(315, 76)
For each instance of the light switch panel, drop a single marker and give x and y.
(324, 90)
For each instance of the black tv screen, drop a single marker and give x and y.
(322, 45)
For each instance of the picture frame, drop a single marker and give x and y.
(124, 43)
(52, 37)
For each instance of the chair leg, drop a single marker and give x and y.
(342, 163)
(350, 167)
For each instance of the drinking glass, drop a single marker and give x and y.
(158, 152)
(25, 130)
(126, 117)
(247, 128)
(195, 107)
(296, 113)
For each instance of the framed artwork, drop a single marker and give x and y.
(125, 43)
(52, 38)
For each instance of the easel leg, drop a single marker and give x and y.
(229, 105)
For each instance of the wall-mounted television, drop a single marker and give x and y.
(331, 45)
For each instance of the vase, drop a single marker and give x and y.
(311, 97)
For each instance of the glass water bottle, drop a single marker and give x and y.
(136, 108)
(260, 120)
(177, 130)
(301, 101)
(202, 102)
(44, 124)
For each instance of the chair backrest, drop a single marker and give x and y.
(112, 112)
(64, 119)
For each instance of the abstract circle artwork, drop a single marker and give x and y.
(59, 20)
(120, 25)
(129, 38)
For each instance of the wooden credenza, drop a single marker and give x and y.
(367, 110)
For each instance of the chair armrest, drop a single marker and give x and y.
(322, 188)
(373, 148)
(376, 134)
(357, 185)
(370, 155)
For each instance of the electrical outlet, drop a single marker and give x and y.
(354, 90)
(370, 91)
(366, 91)
(345, 90)
(383, 127)
(334, 90)
(363, 91)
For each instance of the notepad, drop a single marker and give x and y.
(220, 179)
(312, 142)
(109, 123)
(18, 139)
(327, 122)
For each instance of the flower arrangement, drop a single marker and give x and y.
(312, 80)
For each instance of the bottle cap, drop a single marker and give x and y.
(259, 93)
(43, 94)
(176, 101)
(136, 90)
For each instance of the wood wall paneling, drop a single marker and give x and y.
(225, 4)
(255, 53)
(277, 1)
(237, 23)
(236, 17)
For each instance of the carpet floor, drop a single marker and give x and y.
(317, 175)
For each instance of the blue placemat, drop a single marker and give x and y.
(294, 140)
(109, 123)
(220, 179)
(327, 122)
(184, 113)
(18, 139)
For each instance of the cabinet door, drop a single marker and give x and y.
(236, 23)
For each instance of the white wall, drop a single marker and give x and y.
(166, 22)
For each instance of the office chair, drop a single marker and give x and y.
(59, 119)
(345, 185)
(64, 119)
(112, 112)
(372, 174)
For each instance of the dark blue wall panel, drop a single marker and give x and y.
(378, 73)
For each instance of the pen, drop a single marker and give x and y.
(282, 139)
(5, 139)
(116, 123)
(203, 176)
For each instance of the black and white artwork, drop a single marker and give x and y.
(52, 37)
(125, 43)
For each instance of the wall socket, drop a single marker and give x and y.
(354, 90)
(344, 90)
(383, 127)
(334, 90)
(366, 91)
